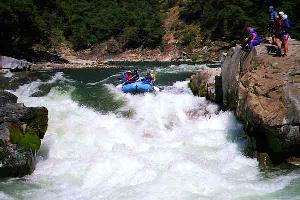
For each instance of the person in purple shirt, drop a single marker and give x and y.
(253, 39)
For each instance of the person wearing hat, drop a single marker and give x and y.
(281, 13)
(148, 78)
(128, 76)
(135, 75)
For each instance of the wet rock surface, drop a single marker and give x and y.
(207, 83)
(21, 131)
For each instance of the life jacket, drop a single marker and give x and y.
(272, 16)
(254, 36)
(128, 77)
(124, 76)
(287, 25)
(135, 76)
(148, 78)
(153, 75)
(279, 27)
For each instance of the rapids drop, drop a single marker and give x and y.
(103, 144)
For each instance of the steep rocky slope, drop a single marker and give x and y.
(264, 92)
(268, 100)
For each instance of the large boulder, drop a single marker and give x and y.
(21, 131)
(265, 95)
(207, 83)
(235, 63)
(14, 64)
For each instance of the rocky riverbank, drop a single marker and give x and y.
(21, 131)
(264, 92)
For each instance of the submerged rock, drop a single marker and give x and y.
(263, 160)
(21, 131)
(294, 161)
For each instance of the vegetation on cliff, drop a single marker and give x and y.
(226, 19)
(83, 23)
(133, 23)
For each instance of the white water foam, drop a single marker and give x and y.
(180, 68)
(105, 80)
(174, 146)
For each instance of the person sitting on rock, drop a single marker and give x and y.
(253, 39)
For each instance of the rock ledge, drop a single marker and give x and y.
(21, 131)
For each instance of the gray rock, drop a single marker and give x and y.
(230, 77)
(207, 83)
(14, 64)
(21, 131)
(266, 103)
(6, 97)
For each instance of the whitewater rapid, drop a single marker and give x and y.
(171, 145)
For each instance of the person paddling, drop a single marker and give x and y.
(128, 77)
(152, 73)
(148, 78)
(135, 75)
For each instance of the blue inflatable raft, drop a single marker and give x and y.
(137, 87)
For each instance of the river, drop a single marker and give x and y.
(103, 144)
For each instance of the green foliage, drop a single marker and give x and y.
(133, 23)
(26, 140)
(187, 36)
(291, 8)
(165, 4)
(83, 23)
(224, 19)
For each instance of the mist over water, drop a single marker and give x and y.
(103, 144)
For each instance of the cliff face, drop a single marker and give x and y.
(21, 131)
(264, 92)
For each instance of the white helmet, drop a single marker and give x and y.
(281, 13)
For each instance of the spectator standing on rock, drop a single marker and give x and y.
(286, 34)
(279, 32)
(272, 15)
